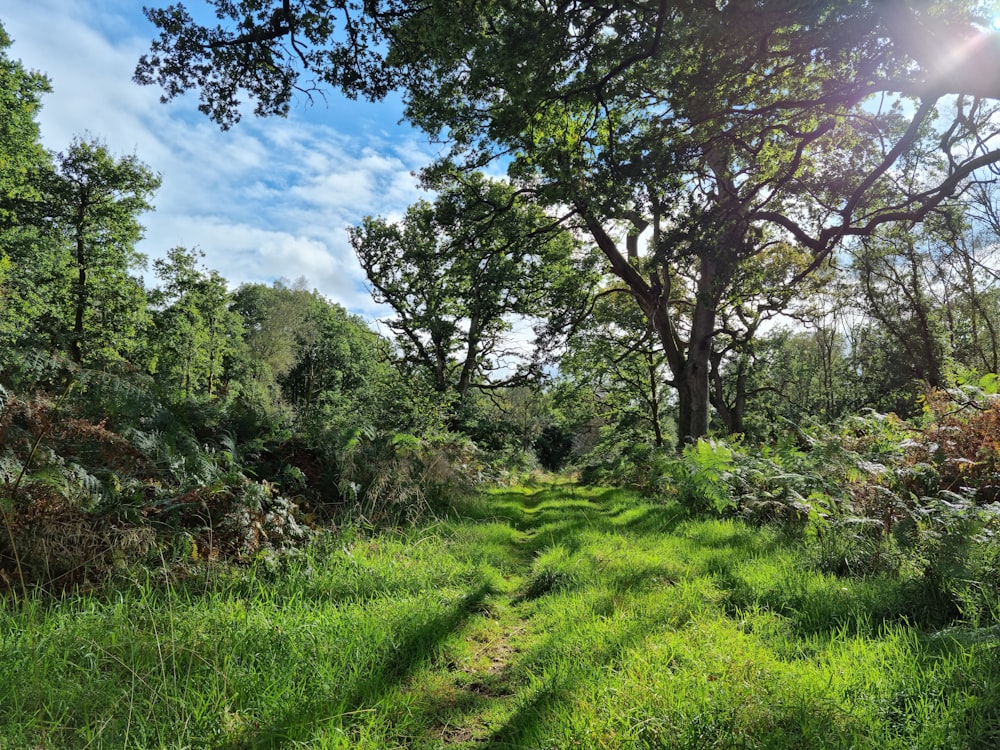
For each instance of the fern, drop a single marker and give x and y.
(702, 476)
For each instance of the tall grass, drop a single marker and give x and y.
(548, 617)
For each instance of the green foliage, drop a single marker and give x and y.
(107, 472)
(460, 272)
(702, 476)
(308, 357)
(647, 140)
(614, 354)
(623, 457)
(390, 478)
(893, 273)
(553, 447)
(22, 157)
(796, 375)
(26, 249)
(952, 543)
(643, 629)
(97, 199)
(747, 142)
(193, 329)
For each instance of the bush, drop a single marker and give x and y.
(959, 448)
(102, 473)
(624, 458)
(389, 478)
(951, 542)
(703, 477)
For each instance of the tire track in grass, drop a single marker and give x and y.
(477, 685)
(485, 682)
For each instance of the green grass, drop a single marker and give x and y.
(549, 617)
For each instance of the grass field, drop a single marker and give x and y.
(544, 617)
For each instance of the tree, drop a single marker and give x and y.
(272, 51)
(614, 354)
(344, 367)
(896, 280)
(721, 128)
(25, 249)
(461, 272)
(96, 202)
(22, 157)
(193, 328)
(932, 289)
(275, 319)
(799, 374)
(966, 261)
(309, 353)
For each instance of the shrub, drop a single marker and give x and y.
(952, 544)
(960, 445)
(703, 476)
(233, 518)
(553, 447)
(103, 474)
(624, 458)
(389, 478)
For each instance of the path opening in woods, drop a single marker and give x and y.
(548, 616)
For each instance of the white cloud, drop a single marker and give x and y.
(268, 199)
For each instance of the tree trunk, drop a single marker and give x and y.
(696, 374)
(654, 399)
(76, 340)
(690, 364)
(732, 413)
(471, 363)
(683, 412)
(696, 378)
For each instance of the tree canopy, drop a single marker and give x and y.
(458, 273)
(97, 199)
(721, 129)
(21, 154)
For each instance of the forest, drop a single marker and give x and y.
(682, 429)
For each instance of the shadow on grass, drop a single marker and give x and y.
(557, 515)
(299, 723)
(817, 604)
(550, 517)
(529, 715)
(574, 659)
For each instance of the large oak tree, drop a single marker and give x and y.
(722, 129)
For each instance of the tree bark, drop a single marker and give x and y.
(471, 357)
(76, 340)
(732, 413)
(715, 273)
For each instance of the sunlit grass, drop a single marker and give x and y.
(542, 617)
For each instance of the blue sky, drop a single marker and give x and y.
(268, 199)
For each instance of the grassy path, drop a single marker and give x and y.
(549, 617)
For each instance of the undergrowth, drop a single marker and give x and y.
(100, 471)
(871, 495)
